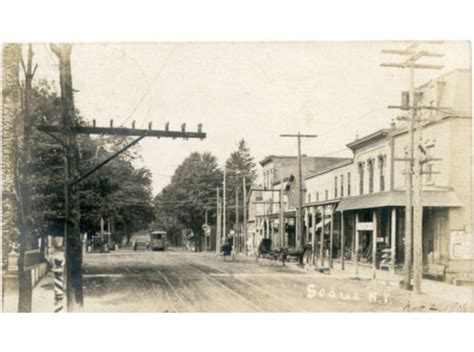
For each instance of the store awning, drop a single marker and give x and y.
(398, 199)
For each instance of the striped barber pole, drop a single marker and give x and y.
(58, 285)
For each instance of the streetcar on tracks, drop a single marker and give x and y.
(158, 241)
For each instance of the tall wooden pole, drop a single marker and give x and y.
(417, 215)
(314, 212)
(73, 252)
(224, 207)
(409, 186)
(299, 218)
(413, 221)
(281, 228)
(237, 230)
(244, 192)
(218, 222)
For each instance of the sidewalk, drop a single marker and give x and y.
(439, 289)
(432, 288)
(43, 297)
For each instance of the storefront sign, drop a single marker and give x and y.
(461, 245)
(365, 226)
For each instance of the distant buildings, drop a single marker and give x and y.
(350, 202)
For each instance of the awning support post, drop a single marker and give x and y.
(374, 243)
(343, 240)
(357, 244)
(393, 239)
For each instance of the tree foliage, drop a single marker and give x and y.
(119, 190)
(240, 164)
(192, 190)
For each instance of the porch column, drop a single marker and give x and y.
(313, 235)
(393, 241)
(265, 228)
(374, 243)
(356, 243)
(343, 239)
(305, 236)
(331, 235)
(321, 244)
(270, 231)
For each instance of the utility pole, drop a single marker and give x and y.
(69, 130)
(223, 207)
(218, 222)
(413, 208)
(244, 195)
(72, 244)
(237, 230)
(299, 218)
(281, 228)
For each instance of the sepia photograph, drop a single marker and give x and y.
(237, 177)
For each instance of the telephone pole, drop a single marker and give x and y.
(223, 207)
(236, 230)
(218, 222)
(299, 218)
(244, 195)
(68, 130)
(414, 207)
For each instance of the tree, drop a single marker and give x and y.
(239, 165)
(10, 113)
(192, 189)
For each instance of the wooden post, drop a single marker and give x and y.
(331, 236)
(374, 243)
(357, 243)
(313, 235)
(224, 208)
(72, 244)
(218, 222)
(321, 244)
(244, 192)
(306, 227)
(343, 240)
(282, 219)
(393, 241)
(237, 219)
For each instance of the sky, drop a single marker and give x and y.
(254, 91)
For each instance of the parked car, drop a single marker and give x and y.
(141, 242)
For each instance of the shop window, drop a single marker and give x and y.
(348, 183)
(382, 165)
(429, 172)
(361, 178)
(342, 186)
(370, 169)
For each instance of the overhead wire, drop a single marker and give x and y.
(147, 91)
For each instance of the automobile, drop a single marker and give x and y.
(158, 241)
(141, 241)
